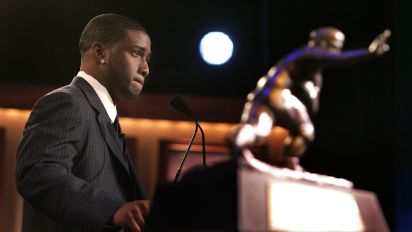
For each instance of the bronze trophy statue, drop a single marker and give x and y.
(253, 195)
(288, 95)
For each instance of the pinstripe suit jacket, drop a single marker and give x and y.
(70, 168)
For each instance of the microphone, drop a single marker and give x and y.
(180, 105)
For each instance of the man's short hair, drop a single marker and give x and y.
(106, 29)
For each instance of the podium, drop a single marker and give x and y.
(252, 196)
(300, 201)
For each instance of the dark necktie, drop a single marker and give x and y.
(117, 128)
(119, 133)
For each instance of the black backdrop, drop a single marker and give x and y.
(362, 127)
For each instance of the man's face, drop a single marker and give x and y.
(128, 65)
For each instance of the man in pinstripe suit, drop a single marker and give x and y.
(73, 169)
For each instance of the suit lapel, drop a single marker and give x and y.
(103, 119)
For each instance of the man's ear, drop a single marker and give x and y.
(100, 52)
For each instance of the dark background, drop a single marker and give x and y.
(363, 126)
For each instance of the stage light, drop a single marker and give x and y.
(216, 48)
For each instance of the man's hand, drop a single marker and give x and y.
(132, 215)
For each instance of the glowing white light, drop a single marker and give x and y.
(216, 48)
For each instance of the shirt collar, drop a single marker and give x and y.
(103, 94)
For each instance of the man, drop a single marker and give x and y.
(73, 169)
(288, 95)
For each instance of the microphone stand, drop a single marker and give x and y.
(179, 104)
(179, 170)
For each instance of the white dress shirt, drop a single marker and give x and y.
(102, 93)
